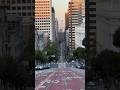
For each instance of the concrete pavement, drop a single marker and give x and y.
(61, 79)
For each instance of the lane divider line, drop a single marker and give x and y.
(43, 82)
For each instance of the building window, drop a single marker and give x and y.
(19, 8)
(13, 8)
(29, 13)
(33, 13)
(92, 27)
(92, 21)
(19, 14)
(0, 20)
(24, 14)
(24, 8)
(92, 15)
(33, 7)
(8, 8)
(92, 3)
(33, 1)
(92, 9)
(18, 1)
(8, 1)
(29, 7)
(13, 1)
(28, 1)
(23, 1)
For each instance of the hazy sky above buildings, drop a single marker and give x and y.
(60, 7)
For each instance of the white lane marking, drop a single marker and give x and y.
(49, 81)
(82, 89)
(40, 85)
(40, 75)
(76, 76)
(56, 81)
(43, 87)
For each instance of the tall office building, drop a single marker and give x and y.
(107, 17)
(90, 24)
(24, 8)
(75, 19)
(43, 16)
(102, 20)
(66, 21)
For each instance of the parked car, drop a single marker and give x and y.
(78, 66)
(39, 67)
(47, 66)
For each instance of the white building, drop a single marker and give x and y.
(108, 20)
(79, 34)
(43, 16)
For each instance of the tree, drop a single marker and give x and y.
(40, 56)
(51, 49)
(79, 53)
(116, 38)
(14, 73)
(107, 64)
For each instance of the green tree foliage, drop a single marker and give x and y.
(45, 56)
(52, 49)
(40, 56)
(116, 38)
(79, 53)
(107, 63)
(14, 73)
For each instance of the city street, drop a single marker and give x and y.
(60, 79)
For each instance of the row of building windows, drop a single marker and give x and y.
(42, 4)
(39, 16)
(43, 21)
(43, 7)
(25, 14)
(21, 1)
(19, 8)
(42, 29)
(42, 12)
(38, 25)
(42, 1)
(37, 19)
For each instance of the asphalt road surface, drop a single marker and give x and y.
(60, 79)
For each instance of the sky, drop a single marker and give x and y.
(60, 7)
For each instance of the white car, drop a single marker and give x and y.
(39, 67)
